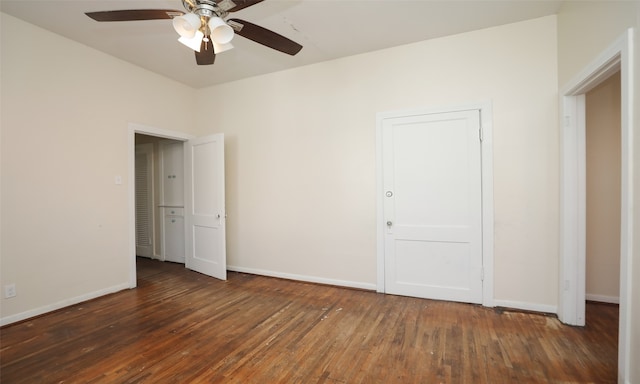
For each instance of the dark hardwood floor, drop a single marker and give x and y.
(180, 327)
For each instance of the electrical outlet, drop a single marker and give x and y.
(9, 291)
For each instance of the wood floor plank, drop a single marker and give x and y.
(179, 326)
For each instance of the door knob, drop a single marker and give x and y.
(389, 223)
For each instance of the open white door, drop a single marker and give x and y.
(205, 206)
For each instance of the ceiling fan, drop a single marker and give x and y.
(203, 27)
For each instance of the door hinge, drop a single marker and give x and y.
(480, 133)
(482, 274)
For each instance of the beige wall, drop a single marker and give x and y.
(65, 115)
(301, 154)
(584, 30)
(603, 191)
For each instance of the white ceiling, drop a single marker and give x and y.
(328, 29)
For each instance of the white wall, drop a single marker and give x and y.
(585, 29)
(65, 115)
(603, 155)
(301, 154)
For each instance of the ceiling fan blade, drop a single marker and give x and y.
(264, 36)
(206, 56)
(134, 14)
(236, 5)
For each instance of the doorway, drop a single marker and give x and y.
(603, 181)
(603, 144)
(572, 295)
(159, 184)
(153, 134)
(204, 201)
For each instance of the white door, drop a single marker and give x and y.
(205, 207)
(144, 199)
(433, 206)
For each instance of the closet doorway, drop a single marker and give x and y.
(159, 198)
(203, 191)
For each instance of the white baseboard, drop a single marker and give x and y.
(305, 278)
(603, 298)
(61, 304)
(526, 306)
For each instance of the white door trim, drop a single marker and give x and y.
(486, 146)
(131, 164)
(572, 295)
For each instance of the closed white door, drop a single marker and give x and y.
(433, 205)
(205, 206)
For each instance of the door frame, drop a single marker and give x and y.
(572, 268)
(486, 150)
(131, 156)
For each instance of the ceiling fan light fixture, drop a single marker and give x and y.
(221, 32)
(193, 42)
(219, 48)
(187, 24)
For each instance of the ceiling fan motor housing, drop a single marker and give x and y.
(208, 8)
